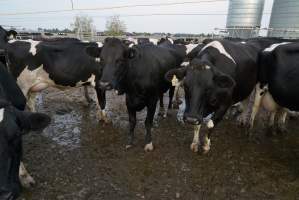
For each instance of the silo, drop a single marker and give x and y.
(244, 16)
(285, 19)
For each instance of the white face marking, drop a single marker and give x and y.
(33, 46)
(184, 64)
(217, 45)
(273, 46)
(190, 47)
(154, 41)
(243, 42)
(1, 114)
(97, 59)
(131, 45)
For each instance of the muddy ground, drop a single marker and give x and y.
(78, 158)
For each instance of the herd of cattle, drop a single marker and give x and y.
(215, 75)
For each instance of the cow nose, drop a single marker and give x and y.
(191, 120)
(105, 85)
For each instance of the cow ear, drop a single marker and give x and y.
(33, 121)
(224, 81)
(107, 39)
(11, 34)
(93, 51)
(179, 73)
(131, 53)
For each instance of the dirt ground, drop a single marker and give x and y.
(78, 158)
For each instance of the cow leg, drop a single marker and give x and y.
(180, 114)
(195, 143)
(259, 93)
(26, 180)
(177, 100)
(132, 121)
(281, 128)
(31, 101)
(151, 107)
(86, 94)
(171, 94)
(244, 112)
(161, 107)
(206, 146)
(271, 123)
(101, 104)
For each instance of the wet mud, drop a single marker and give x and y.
(78, 158)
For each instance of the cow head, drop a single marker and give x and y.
(114, 57)
(13, 123)
(6, 35)
(206, 89)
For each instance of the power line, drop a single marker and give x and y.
(139, 15)
(111, 7)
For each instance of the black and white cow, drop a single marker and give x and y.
(139, 73)
(135, 41)
(278, 84)
(14, 122)
(60, 63)
(181, 50)
(222, 74)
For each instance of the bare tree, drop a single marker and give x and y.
(83, 26)
(115, 26)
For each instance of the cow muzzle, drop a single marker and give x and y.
(105, 85)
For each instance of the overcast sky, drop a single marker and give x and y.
(172, 24)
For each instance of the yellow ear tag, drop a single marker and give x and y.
(174, 81)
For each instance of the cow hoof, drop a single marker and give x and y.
(206, 149)
(194, 147)
(27, 181)
(149, 147)
(129, 146)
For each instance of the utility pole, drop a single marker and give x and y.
(72, 4)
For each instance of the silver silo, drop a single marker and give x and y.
(284, 20)
(244, 16)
